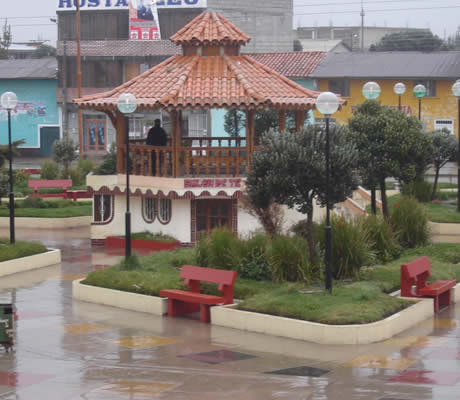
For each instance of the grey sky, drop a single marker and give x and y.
(338, 12)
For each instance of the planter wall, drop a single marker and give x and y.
(230, 317)
(115, 241)
(117, 298)
(22, 264)
(46, 223)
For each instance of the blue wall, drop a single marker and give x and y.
(36, 106)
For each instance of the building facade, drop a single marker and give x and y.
(36, 118)
(109, 58)
(346, 74)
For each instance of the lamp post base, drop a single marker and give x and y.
(12, 232)
(128, 234)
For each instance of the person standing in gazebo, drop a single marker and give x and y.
(156, 137)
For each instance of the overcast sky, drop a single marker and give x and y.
(30, 18)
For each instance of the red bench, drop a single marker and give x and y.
(50, 183)
(182, 301)
(416, 273)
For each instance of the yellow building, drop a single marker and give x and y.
(346, 73)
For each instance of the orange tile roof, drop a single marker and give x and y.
(210, 28)
(295, 64)
(208, 82)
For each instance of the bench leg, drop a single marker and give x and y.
(444, 298)
(436, 304)
(205, 313)
(172, 308)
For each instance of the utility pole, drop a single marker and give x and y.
(362, 25)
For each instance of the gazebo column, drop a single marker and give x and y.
(176, 141)
(120, 127)
(282, 120)
(300, 116)
(250, 132)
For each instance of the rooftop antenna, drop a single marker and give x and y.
(362, 25)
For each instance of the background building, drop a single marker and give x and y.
(346, 73)
(109, 58)
(35, 118)
(326, 38)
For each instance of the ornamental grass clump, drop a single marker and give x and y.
(351, 247)
(219, 249)
(382, 239)
(289, 260)
(410, 222)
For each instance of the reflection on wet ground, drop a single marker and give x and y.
(67, 349)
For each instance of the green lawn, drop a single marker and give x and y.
(19, 249)
(362, 301)
(49, 212)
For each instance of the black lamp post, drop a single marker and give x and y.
(420, 93)
(327, 104)
(127, 104)
(456, 92)
(9, 101)
(399, 89)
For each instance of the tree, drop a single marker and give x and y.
(290, 169)
(444, 149)
(45, 50)
(419, 40)
(5, 40)
(265, 120)
(390, 144)
(64, 153)
(235, 121)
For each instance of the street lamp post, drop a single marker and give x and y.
(371, 91)
(399, 89)
(420, 93)
(456, 92)
(127, 104)
(327, 104)
(9, 100)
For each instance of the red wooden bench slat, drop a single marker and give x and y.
(50, 183)
(191, 296)
(182, 302)
(211, 275)
(416, 273)
(437, 288)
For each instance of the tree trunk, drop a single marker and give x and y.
(373, 201)
(435, 184)
(384, 199)
(310, 238)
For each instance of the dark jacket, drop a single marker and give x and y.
(157, 137)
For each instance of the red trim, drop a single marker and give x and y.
(114, 241)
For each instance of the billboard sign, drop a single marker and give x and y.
(69, 5)
(143, 20)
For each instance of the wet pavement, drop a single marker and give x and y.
(68, 349)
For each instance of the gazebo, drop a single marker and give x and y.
(210, 74)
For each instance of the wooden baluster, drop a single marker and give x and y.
(149, 162)
(187, 163)
(237, 162)
(228, 162)
(217, 163)
(157, 163)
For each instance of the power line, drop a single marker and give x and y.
(30, 17)
(355, 2)
(383, 10)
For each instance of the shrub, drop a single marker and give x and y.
(289, 260)
(219, 249)
(49, 170)
(419, 189)
(85, 166)
(250, 258)
(76, 176)
(32, 202)
(382, 239)
(64, 153)
(130, 263)
(351, 248)
(20, 177)
(109, 165)
(410, 222)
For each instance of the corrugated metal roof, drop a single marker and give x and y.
(42, 68)
(402, 64)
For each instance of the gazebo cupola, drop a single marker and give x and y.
(211, 34)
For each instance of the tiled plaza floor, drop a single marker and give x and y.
(67, 349)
